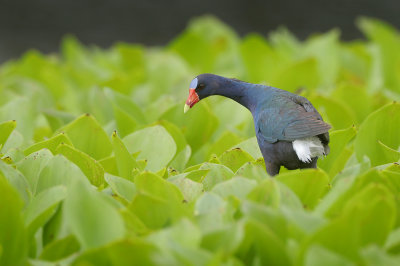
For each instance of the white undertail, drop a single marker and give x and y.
(308, 148)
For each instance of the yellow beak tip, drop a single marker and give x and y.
(186, 108)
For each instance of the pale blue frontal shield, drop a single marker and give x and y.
(193, 84)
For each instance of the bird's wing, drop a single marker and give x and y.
(290, 120)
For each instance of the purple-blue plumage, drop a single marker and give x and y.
(290, 132)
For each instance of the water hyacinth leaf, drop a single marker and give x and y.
(217, 173)
(42, 207)
(190, 189)
(51, 176)
(50, 144)
(124, 252)
(236, 186)
(60, 249)
(261, 244)
(17, 180)
(155, 145)
(5, 130)
(162, 197)
(266, 193)
(32, 165)
(338, 141)
(122, 187)
(226, 141)
(309, 185)
(102, 223)
(318, 255)
(198, 124)
(88, 136)
(125, 161)
(251, 147)
(338, 114)
(89, 166)
(382, 125)
(235, 158)
(13, 239)
(358, 224)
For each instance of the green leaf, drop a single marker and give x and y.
(90, 167)
(125, 252)
(92, 220)
(162, 197)
(336, 160)
(235, 158)
(382, 125)
(357, 226)
(5, 130)
(338, 114)
(42, 207)
(125, 161)
(87, 136)
(236, 186)
(318, 255)
(122, 187)
(32, 165)
(217, 173)
(155, 145)
(309, 185)
(50, 144)
(251, 147)
(13, 239)
(266, 193)
(60, 249)
(198, 124)
(51, 176)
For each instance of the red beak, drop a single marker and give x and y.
(191, 100)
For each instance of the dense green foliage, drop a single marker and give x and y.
(99, 165)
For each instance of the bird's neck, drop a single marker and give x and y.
(244, 93)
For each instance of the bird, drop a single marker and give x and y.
(289, 130)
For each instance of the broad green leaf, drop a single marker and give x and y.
(382, 125)
(217, 173)
(87, 136)
(89, 166)
(162, 197)
(92, 220)
(251, 147)
(5, 130)
(190, 189)
(51, 176)
(32, 166)
(235, 158)
(262, 244)
(155, 145)
(309, 185)
(266, 193)
(357, 226)
(338, 114)
(198, 124)
(17, 180)
(13, 238)
(226, 141)
(122, 187)
(124, 252)
(318, 255)
(236, 186)
(374, 256)
(50, 144)
(336, 159)
(60, 249)
(125, 161)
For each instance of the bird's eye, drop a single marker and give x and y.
(201, 86)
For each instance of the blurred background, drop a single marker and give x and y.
(41, 24)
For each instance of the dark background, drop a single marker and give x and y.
(41, 24)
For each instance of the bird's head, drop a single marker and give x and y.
(201, 87)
